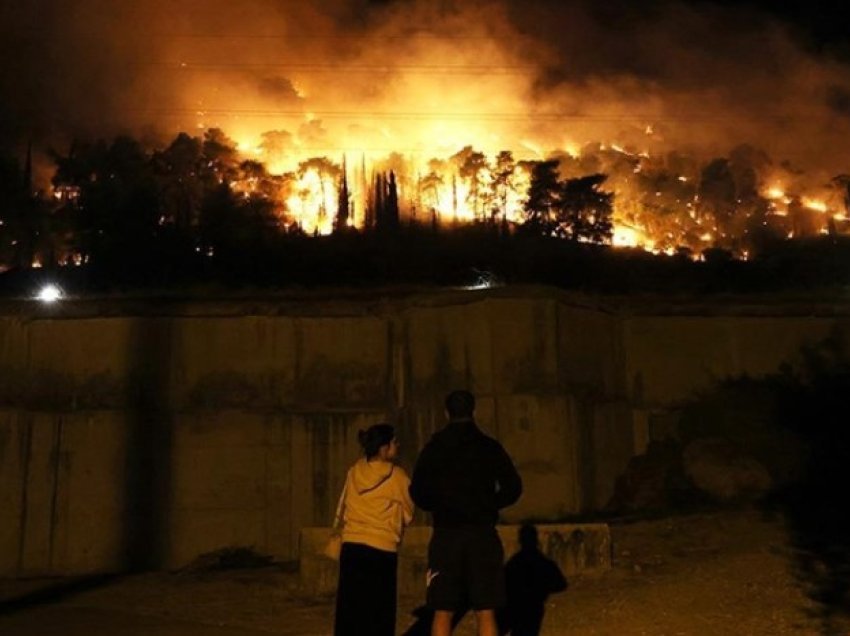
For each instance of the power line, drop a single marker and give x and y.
(455, 116)
(201, 113)
(289, 37)
(417, 69)
(316, 36)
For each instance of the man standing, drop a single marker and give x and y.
(463, 477)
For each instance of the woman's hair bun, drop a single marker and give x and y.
(374, 437)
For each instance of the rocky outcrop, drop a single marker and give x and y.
(725, 472)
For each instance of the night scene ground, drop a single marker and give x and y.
(232, 235)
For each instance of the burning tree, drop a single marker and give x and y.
(599, 193)
(574, 209)
(116, 210)
(473, 168)
(343, 209)
(503, 183)
(384, 204)
(25, 225)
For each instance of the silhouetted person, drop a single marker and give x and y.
(463, 477)
(530, 578)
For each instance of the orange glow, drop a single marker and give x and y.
(815, 204)
(625, 236)
(314, 202)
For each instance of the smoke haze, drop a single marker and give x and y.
(423, 77)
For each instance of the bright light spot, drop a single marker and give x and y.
(625, 237)
(248, 148)
(484, 280)
(49, 294)
(775, 193)
(570, 147)
(814, 204)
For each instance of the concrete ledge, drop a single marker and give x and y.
(581, 548)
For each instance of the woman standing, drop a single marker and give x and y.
(376, 507)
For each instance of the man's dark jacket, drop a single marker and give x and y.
(463, 477)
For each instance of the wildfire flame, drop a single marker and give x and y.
(466, 185)
(434, 92)
(815, 204)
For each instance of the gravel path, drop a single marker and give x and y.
(711, 574)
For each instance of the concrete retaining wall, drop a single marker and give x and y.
(143, 436)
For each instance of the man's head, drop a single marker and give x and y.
(460, 405)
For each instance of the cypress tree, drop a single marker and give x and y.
(343, 204)
(392, 203)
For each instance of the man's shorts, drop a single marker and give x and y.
(466, 569)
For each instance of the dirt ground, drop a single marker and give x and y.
(708, 574)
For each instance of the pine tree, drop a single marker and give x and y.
(543, 198)
(392, 215)
(380, 197)
(454, 197)
(343, 205)
(368, 200)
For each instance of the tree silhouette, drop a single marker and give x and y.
(385, 202)
(584, 212)
(503, 184)
(718, 196)
(344, 204)
(392, 212)
(430, 185)
(219, 218)
(841, 183)
(543, 200)
(180, 170)
(473, 168)
(221, 154)
(117, 211)
(23, 215)
(574, 209)
(805, 222)
(233, 227)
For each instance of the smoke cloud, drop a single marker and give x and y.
(424, 77)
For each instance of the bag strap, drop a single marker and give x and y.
(339, 506)
(380, 483)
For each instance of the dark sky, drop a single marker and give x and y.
(816, 20)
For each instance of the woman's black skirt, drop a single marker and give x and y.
(366, 596)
